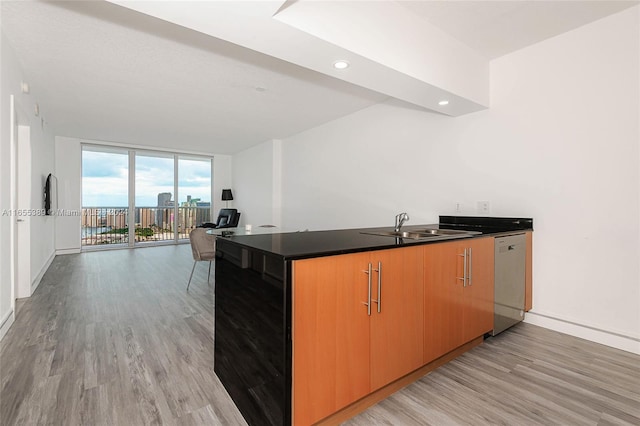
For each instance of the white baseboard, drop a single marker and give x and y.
(68, 251)
(5, 323)
(36, 281)
(604, 337)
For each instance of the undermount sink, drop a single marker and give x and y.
(444, 232)
(420, 233)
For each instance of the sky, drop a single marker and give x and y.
(105, 179)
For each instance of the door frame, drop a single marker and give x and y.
(20, 185)
(13, 160)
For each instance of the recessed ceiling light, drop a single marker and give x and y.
(340, 65)
(443, 103)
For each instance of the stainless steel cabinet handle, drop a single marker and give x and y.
(464, 281)
(379, 271)
(464, 268)
(470, 263)
(368, 302)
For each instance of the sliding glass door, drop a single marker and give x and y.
(154, 202)
(134, 197)
(105, 196)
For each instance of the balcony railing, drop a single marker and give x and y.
(109, 225)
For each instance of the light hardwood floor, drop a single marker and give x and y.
(112, 338)
(525, 376)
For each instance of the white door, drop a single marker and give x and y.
(23, 222)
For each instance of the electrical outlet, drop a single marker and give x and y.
(483, 207)
(458, 207)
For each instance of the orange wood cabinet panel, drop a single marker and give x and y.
(456, 312)
(528, 283)
(330, 335)
(479, 292)
(397, 330)
(443, 299)
(340, 353)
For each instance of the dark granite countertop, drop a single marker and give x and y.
(302, 245)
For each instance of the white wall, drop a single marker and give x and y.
(42, 227)
(68, 166)
(559, 144)
(256, 184)
(586, 261)
(222, 178)
(9, 77)
(41, 160)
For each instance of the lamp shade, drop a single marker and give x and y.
(227, 195)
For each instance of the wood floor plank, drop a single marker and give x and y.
(525, 376)
(17, 387)
(41, 401)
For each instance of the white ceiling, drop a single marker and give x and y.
(495, 28)
(102, 71)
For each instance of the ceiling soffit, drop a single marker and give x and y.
(443, 69)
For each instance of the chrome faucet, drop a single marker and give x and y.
(400, 220)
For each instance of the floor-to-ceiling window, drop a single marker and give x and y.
(194, 192)
(138, 197)
(105, 196)
(154, 199)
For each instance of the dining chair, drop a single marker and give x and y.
(203, 248)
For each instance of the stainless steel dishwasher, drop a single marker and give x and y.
(510, 254)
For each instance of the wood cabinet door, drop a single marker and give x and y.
(397, 333)
(330, 335)
(443, 299)
(478, 293)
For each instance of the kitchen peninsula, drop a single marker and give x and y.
(315, 326)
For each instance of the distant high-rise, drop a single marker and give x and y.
(163, 199)
(162, 215)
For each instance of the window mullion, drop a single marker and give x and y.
(176, 208)
(131, 219)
